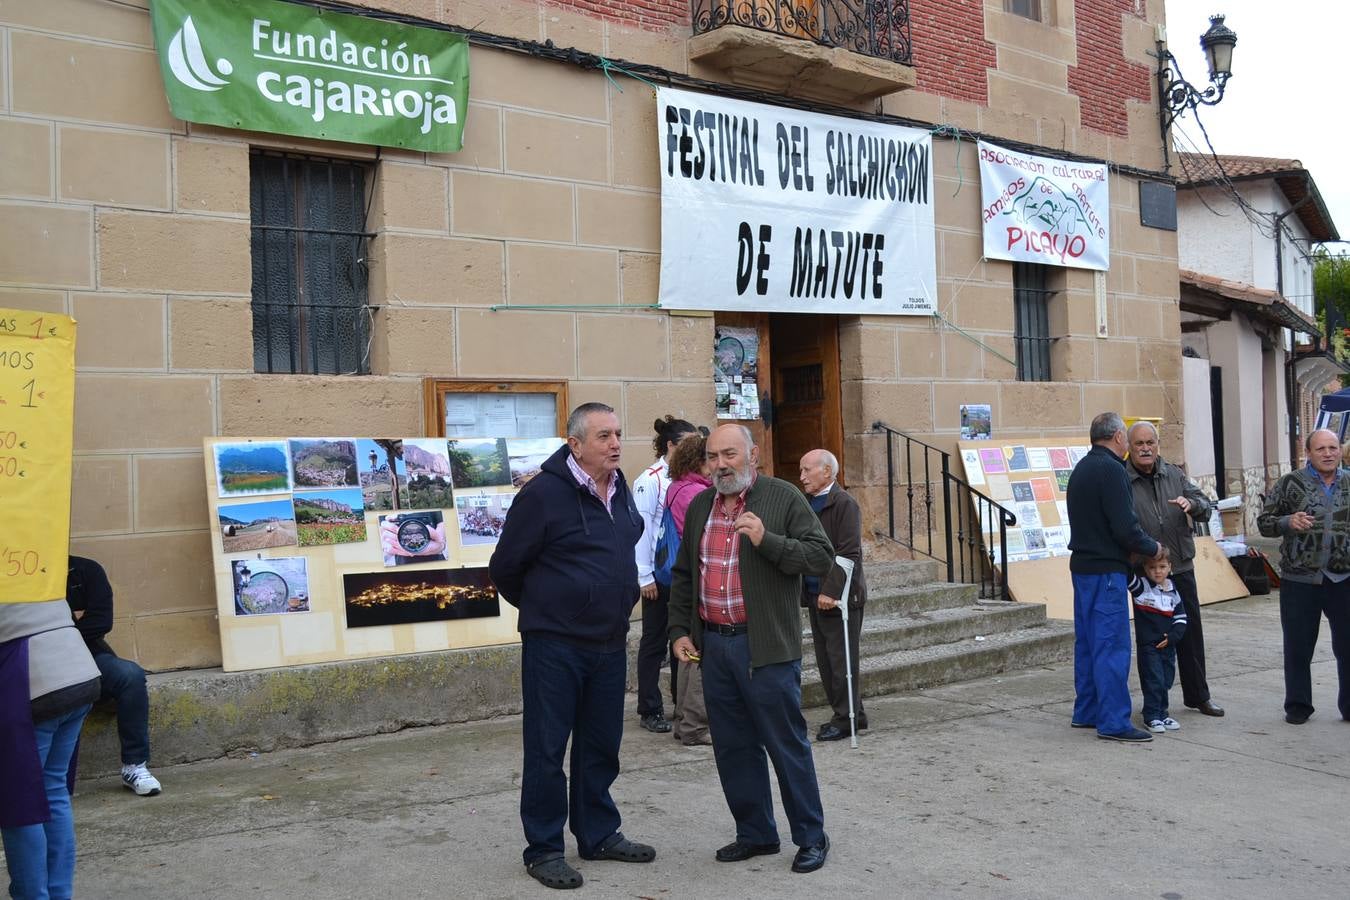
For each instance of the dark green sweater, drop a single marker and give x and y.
(794, 545)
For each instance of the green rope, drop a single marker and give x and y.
(952, 131)
(606, 65)
(972, 338)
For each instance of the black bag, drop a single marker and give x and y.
(1252, 571)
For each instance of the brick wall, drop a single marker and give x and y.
(950, 52)
(651, 14)
(1104, 79)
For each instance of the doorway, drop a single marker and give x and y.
(800, 405)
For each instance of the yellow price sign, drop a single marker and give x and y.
(37, 418)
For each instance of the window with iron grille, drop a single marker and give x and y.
(308, 246)
(1031, 329)
(1028, 9)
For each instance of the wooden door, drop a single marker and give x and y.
(760, 427)
(806, 413)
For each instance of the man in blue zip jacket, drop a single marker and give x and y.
(565, 561)
(1104, 531)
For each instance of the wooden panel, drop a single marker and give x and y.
(435, 389)
(807, 406)
(1048, 580)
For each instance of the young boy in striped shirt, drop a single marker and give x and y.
(1159, 622)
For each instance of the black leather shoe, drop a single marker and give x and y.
(808, 859)
(1296, 718)
(830, 732)
(656, 723)
(1209, 708)
(739, 852)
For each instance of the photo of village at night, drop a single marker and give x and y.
(402, 598)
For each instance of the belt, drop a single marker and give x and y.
(725, 630)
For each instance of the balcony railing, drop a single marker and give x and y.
(878, 28)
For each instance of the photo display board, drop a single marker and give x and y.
(1031, 478)
(341, 548)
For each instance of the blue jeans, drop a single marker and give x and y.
(124, 681)
(1157, 668)
(751, 713)
(41, 858)
(572, 693)
(1101, 652)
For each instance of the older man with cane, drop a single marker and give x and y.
(836, 626)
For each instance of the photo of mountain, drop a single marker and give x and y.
(427, 463)
(479, 462)
(527, 455)
(330, 517)
(261, 467)
(323, 462)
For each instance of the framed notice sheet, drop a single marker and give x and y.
(495, 409)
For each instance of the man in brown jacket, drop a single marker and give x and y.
(842, 520)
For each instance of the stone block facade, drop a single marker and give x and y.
(137, 224)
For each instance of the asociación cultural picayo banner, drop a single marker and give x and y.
(1043, 210)
(263, 65)
(778, 210)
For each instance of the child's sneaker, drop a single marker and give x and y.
(137, 778)
(1157, 726)
(1171, 724)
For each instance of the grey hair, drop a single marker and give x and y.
(1105, 426)
(745, 433)
(830, 461)
(1144, 423)
(576, 422)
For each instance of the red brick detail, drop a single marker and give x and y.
(1103, 78)
(652, 15)
(951, 55)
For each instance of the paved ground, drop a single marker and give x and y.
(973, 790)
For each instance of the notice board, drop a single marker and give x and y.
(1031, 478)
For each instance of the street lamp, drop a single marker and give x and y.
(1175, 93)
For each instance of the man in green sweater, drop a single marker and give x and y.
(734, 603)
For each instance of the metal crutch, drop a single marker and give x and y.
(847, 566)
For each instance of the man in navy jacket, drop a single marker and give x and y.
(1104, 531)
(565, 561)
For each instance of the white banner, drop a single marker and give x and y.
(1043, 210)
(778, 210)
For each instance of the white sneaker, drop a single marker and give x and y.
(1157, 726)
(1171, 724)
(137, 778)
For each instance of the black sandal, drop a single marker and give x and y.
(555, 873)
(624, 850)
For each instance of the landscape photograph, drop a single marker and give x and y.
(252, 467)
(526, 455)
(323, 462)
(404, 598)
(379, 465)
(337, 516)
(264, 587)
(427, 463)
(256, 526)
(479, 462)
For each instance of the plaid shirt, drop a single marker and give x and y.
(589, 484)
(720, 599)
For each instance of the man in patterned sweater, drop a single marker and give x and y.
(734, 599)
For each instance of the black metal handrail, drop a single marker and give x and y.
(964, 512)
(878, 28)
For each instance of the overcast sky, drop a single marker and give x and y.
(1284, 99)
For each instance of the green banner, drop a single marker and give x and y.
(271, 66)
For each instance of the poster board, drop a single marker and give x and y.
(1041, 574)
(37, 415)
(313, 565)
